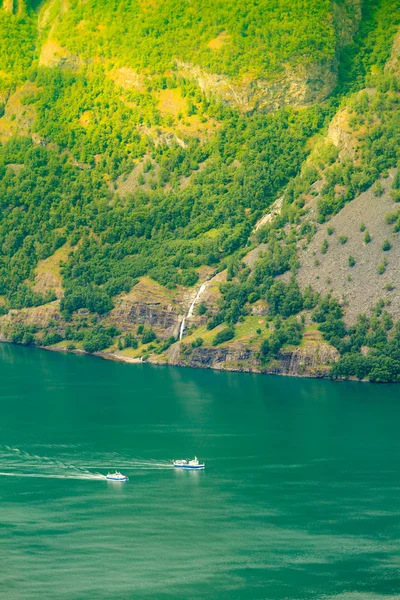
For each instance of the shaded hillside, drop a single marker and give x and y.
(149, 147)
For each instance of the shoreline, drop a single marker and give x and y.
(129, 360)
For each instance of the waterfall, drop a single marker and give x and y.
(191, 309)
(182, 328)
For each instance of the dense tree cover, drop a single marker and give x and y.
(256, 37)
(199, 192)
(161, 232)
(289, 332)
(370, 349)
(369, 49)
(17, 47)
(224, 335)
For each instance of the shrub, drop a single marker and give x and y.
(215, 321)
(148, 336)
(201, 309)
(117, 285)
(367, 237)
(166, 344)
(324, 247)
(381, 269)
(386, 246)
(224, 336)
(253, 297)
(22, 334)
(330, 231)
(342, 239)
(92, 298)
(391, 218)
(396, 180)
(377, 189)
(51, 338)
(130, 341)
(395, 194)
(351, 261)
(197, 342)
(362, 227)
(96, 340)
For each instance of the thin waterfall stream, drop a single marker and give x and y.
(191, 309)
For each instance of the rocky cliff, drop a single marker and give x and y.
(298, 86)
(310, 360)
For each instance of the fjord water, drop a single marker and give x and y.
(300, 498)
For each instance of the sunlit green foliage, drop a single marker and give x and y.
(256, 37)
(17, 47)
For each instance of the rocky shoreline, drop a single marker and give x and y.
(291, 362)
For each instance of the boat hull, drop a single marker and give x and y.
(117, 478)
(192, 467)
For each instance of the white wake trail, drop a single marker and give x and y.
(83, 476)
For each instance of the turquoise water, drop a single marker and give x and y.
(300, 498)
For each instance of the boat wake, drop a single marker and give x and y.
(141, 465)
(19, 463)
(83, 463)
(83, 476)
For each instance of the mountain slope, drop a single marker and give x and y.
(142, 142)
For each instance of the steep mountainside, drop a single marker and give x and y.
(203, 183)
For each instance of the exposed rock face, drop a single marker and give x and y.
(341, 135)
(274, 210)
(346, 17)
(148, 303)
(393, 64)
(40, 316)
(312, 360)
(127, 314)
(296, 87)
(212, 358)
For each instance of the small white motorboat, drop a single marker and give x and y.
(117, 476)
(188, 464)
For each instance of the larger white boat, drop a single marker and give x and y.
(117, 476)
(188, 464)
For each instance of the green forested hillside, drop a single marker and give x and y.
(255, 37)
(133, 168)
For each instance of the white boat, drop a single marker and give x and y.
(117, 476)
(188, 464)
